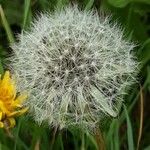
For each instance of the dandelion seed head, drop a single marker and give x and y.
(76, 64)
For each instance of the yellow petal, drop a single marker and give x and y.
(1, 124)
(18, 113)
(19, 100)
(3, 108)
(7, 87)
(1, 115)
(6, 78)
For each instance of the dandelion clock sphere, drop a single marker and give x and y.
(76, 65)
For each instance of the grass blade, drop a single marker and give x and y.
(116, 136)
(1, 68)
(89, 5)
(92, 140)
(27, 13)
(147, 148)
(141, 118)
(129, 130)
(61, 3)
(99, 139)
(9, 33)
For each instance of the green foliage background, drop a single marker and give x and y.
(131, 128)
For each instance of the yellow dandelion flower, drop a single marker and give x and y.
(10, 104)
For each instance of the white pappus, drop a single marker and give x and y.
(76, 65)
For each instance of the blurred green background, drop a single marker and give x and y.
(131, 129)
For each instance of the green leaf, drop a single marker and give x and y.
(61, 3)
(123, 3)
(147, 148)
(118, 3)
(92, 140)
(13, 11)
(129, 130)
(3, 147)
(147, 81)
(116, 136)
(144, 53)
(142, 1)
(89, 4)
(27, 13)
(1, 68)
(7, 28)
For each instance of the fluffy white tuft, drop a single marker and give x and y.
(76, 66)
